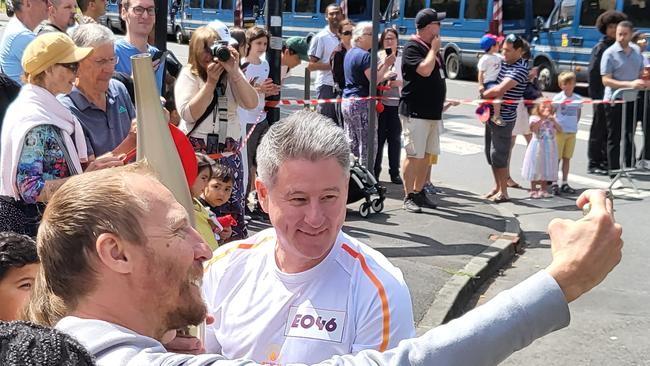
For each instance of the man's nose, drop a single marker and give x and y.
(314, 216)
(202, 251)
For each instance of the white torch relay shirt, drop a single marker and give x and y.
(355, 299)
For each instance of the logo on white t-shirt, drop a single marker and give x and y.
(305, 321)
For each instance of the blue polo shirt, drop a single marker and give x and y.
(622, 66)
(15, 39)
(124, 50)
(104, 130)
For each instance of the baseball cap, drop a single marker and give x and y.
(427, 16)
(299, 45)
(222, 30)
(50, 49)
(489, 40)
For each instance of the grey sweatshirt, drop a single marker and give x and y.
(484, 336)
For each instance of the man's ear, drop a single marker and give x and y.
(262, 194)
(112, 252)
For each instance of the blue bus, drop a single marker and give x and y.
(565, 39)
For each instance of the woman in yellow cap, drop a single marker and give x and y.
(42, 143)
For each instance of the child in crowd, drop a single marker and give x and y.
(540, 161)
(206, 222)
(567, 116)
(18, 267)
(257, 71)
(489, 66)
(216, 195)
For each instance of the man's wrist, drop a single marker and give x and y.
(562, 276)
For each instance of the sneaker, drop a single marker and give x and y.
(555, 189)
(431, 189)
(411, 205)
(423, 200)
(566, 188)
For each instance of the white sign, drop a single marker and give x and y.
(307, 322)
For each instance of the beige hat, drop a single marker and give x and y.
(50, 49)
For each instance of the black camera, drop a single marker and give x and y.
(219, 49)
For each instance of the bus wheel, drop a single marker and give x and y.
(547, 78)
(453, 66)
(180, 38)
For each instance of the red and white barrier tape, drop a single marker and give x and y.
(304, 102)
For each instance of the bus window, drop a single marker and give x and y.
(542, 8)
(638, 12)
(357, 6)
(225, 4)
(514, 10)
(591, 9)
(195, 4)
(210, 4)
(412, 7)
(451, 7)
(286, 7)
(476, 9)
(305, 6)
(564, 16)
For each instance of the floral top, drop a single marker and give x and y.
(43, 158)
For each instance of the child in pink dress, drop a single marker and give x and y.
(540, 161)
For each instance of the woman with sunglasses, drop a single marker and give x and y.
(42, 143)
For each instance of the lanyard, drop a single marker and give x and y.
(419, 40)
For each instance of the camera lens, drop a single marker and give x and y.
(220, 51)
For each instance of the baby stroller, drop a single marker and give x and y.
(363, 185)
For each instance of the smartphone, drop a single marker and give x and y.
(158, 55)
(212, 143)
(389, 51)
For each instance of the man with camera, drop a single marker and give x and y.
(139, 17)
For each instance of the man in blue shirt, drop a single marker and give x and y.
(101, 104)
(621, 67)
(139, 16)
(18, 34)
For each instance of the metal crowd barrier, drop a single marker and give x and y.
(628, 95)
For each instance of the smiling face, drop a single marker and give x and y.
(306, 205)
(139, 24)
(59, 79)
(15, 287)
(173, 256)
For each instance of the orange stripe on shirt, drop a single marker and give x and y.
(382, 295)
(236, 247)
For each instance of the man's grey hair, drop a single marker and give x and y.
(303, 135)
(92, 35)
(359, 30)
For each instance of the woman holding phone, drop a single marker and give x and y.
(390, 128)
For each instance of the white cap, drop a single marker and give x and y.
(222, 30)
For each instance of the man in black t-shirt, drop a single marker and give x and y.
(421, 105)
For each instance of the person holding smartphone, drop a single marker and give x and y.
(390, 128)
(139, 17)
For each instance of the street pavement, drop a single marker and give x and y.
(445, 254)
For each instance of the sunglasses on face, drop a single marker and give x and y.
(346, 33)
(73, 66)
